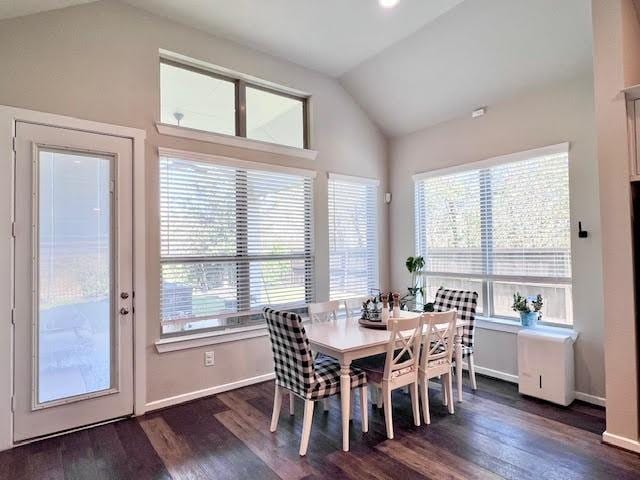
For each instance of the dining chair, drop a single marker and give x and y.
(398, 367)
(299, 373)
(436, 358)
(465, 303)
(353, 306)
(323, 311)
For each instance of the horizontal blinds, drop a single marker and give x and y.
(353, 246)
(508, 220)
(232, 239)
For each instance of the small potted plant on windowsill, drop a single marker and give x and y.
(529, 309)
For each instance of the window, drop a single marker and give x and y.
(497, 228)
(200, 99)
(353, 239)
(233, 239)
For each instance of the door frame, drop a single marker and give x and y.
(8, 118)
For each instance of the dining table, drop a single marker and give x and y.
(346, 340)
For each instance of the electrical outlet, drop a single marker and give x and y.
(209, 359)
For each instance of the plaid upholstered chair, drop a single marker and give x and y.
(465, 303)
(299, 373)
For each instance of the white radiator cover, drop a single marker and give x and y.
(546, 365)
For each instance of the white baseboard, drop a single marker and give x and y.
(509, 377)
(205, 392)
(593, 399)
(622, 442)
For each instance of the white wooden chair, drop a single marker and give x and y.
(309, 378)
(398, 367)
(436, 359)
(323, 311)
(353, 306)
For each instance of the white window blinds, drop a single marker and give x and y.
(498, 229)
(353, 239)
(233, 239)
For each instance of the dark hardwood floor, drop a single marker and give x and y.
(495, 433)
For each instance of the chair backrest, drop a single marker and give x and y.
(353, 306)
(291, 352)
(437, 348)
(323, 311)
(465, 303)
(403, 350)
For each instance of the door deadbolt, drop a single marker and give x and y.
(124, 295)
(124, 311)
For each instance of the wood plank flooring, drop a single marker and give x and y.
(495, 433)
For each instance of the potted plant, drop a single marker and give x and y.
(528, 307)
(415, 266)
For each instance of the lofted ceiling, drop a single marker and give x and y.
(330, 36)
(18, 8)
(479, 53)
(409, 67)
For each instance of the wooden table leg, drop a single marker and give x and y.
(459, 362)
(345, 398)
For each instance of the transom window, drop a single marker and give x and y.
(200, 99)
(353, 237)
(499, 227)
(233, 238)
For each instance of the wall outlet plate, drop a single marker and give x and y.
(209, 359)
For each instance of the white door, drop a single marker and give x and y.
(73, 279)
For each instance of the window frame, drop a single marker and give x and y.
(251, 315)
(240, 100)
(488, 309)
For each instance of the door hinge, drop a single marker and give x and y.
(13, 316)
(112, 186)
(13, 143)
(13, 403)
(13, 229)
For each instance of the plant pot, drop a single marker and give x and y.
(529, 319)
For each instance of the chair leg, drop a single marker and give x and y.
(415, 403)
(277, 405)
(450, 392)
(472, 371)
(443, 390)
(364, 409)
(388, 411)
(380, 398)
(291, 404)
(306, 426)
(424, 386)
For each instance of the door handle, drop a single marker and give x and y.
(124, 311)
(124, 295)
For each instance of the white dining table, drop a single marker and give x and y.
(346, 340)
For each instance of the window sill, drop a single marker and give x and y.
(195, 340)
(233, 141)
(506, 326)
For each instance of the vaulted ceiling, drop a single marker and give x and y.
(411, 66)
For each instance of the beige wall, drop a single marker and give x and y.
(615, 40)
(100, 62)
(558, 113)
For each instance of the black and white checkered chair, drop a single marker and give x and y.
(465, 303)
(298, 372)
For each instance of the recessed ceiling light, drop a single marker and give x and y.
(388, 3)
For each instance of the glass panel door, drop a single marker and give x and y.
(73, 315)
(74, 271)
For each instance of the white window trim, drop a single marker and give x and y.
(234, 162)
(490, 162)
(234, 141)
(353, 179)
